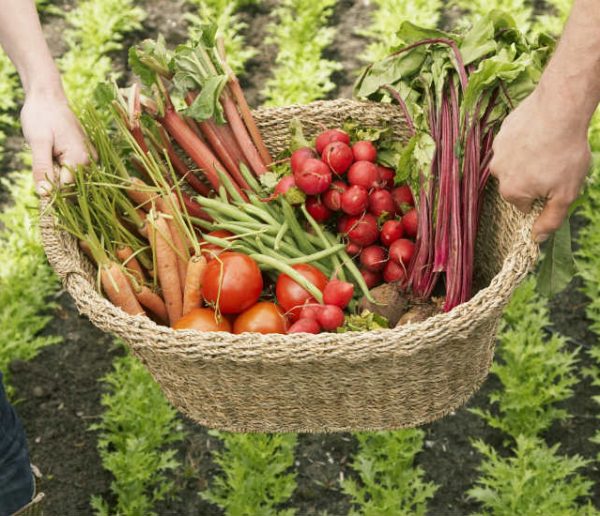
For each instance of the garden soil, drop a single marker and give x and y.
(59, 391)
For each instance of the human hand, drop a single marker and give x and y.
(55, 136)
(542, 152)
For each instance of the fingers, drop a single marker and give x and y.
(43, 167)
(554, 213)
(514, 196)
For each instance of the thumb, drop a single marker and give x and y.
(43, 167)
(554, 213)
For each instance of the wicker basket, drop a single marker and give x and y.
(329, 382)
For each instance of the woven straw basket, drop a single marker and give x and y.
(329, 382)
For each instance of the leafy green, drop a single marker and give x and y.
(207, 104)
(365, 321)
(558, 265)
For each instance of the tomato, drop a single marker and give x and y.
(234, 280)
(211, 250)
(292, 296)
(262, 317)
(202, 319)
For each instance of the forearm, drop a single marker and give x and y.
(22, 38)
(571, 81)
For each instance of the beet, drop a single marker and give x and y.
(381, 203)
(314, 177)
(362, 230)
(391, 231)
(318, 210)
(331, 135)
(363, 173)
(300, 156)
(338, 156)
(373, 258)
(364, 151)
(389, 302)
(355, 200)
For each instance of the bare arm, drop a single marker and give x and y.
(542, 149)
(49, 126)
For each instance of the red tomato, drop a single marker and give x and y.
(262, 317)
(240, 286)
(202, 319)
(211, 250)
(292, 296)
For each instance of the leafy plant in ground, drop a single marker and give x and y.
(520, 10)
(301, 74)
(386, 20)
(9, 94)
(389, 481)
(135, 430)
(255, 477)
(554, 22)
(223, 12)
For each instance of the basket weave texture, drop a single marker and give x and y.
(376, 380)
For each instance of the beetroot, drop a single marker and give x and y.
(314, 177)
(353, 249)
(305, 326)
(364, 151)
(331, 135)
(363, 173)
(330, 317)
(373, 258)
(386, 177)
(391, 231)
(381, 203)
(300, 156)
(355, 200)
(393, 272)
(318, 210)
(401, 251)
(403, 198)
(332, 198)
(362, 230)
(372, 279)
(338, 156)
(338, 293)
(410, 223)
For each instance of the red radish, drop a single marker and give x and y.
(364, 151)
(403, 198)
(314, 177)
(386, 177)
(342, 224)
(401, 251)
(353, 249)
(355, 200)
(381, 203)
(393, 272)
(330, 317)
(332, 198)
(331, 135)
(373, 258)
(338, 156)
(391, 231)
(363, 230)
(300, 156)
(285, 183)
(305, 326)
(338, 293)
(410, 223)
(310, 311)
(318, 210)
(372, 279)
(363, 173)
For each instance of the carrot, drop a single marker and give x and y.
(118, 289)
(125, 254)
(166, 267)
(139, 194)
(192, 293)
(153, 302)
(87, 250)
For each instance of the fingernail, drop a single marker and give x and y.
(65, 176)
(43, 188)
(542, 237)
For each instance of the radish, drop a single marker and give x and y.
(332, 198)
(363, 173)
(300, 156)
(318, 210)
(386, 177)
(372, 279)
(309, 311)
(364, 151)
(362, 230)
(331, 135)
(305, 326)
(285, 183)
(353, 249)
(393, 272)
(391, 231)
(403, 198)
(410, 223)
(342, 224)
(330, 317)
(338, 156)
(338, 293)
(401, 251)
(314, 177)
(381, 204)
(373, 258)
(355, 200)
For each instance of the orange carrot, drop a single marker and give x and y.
(152, 302)
(118, 289)
(139, 194)
(179, 240)
(125, 254)
(192, 293)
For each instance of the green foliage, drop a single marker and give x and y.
(387, 18)
(520, 10)
(389, 481)
(223, 12)
(536, 371)
(554, 22)
(301, 74)
(26, 280)
(533, 481)
(136, 428)
(255, 476)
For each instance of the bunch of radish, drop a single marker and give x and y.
(348, 190)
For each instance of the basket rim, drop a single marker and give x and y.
(219, 345)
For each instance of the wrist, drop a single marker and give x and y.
(42, 79)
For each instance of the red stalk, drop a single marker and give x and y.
(193, 208)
